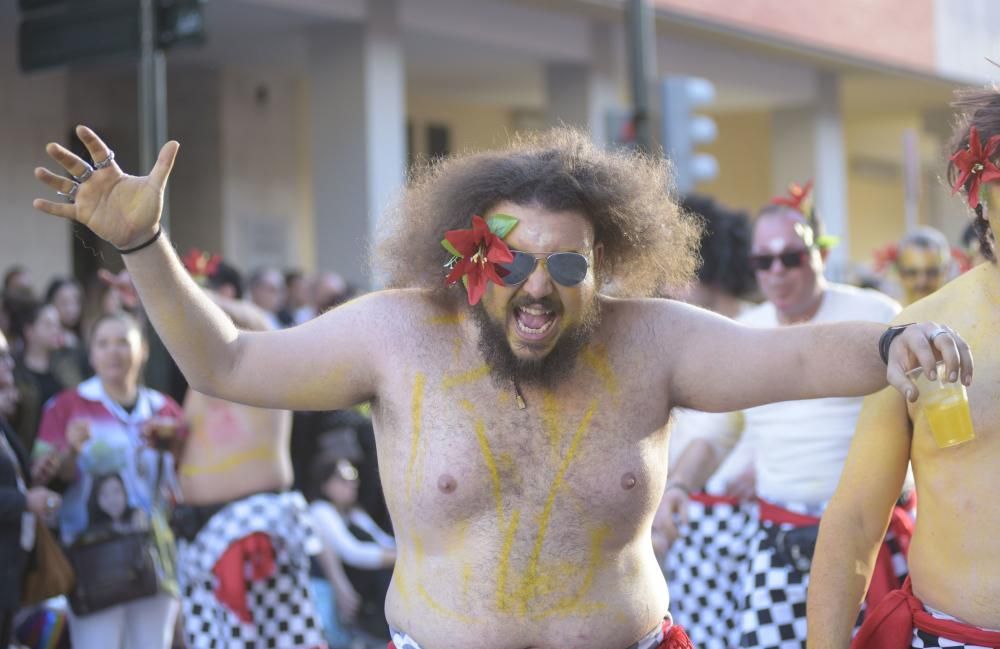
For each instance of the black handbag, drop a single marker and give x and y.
(112, 571)
(117, 567)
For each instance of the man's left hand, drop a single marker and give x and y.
(923, 345)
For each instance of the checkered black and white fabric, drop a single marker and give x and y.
(774, 605)
(924, 640)
(281, 606)
(705, 570)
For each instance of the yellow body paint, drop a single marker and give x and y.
(416, 407)
(264, 452)
(572, 603)
(596, 358)
(471, 376)
(550, 422)
(504, 567)
(491, 466)
(450, 319)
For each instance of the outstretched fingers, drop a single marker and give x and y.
(99, 151)
(65, 210)
(164, 163)
(68, 160)
(58, 183)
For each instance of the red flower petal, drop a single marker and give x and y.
(463, 240)
(457, 271)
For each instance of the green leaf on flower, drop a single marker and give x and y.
(450, 248)
(501, 224)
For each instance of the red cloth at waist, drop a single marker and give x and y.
(231, 588)
(884, 579)
(708, 499)
(773, 514)
(674, 637)
(891, 624)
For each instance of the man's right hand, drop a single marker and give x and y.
(672, 514)
(77, 434)
(121, 209)
(42, 502)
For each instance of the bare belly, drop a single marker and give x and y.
(240, 473)
(955, 567)
(479, 597)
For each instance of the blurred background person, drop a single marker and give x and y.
(244, 539)
(67, 297)
(43, 369)
(923, 263)
(705, 564)
(368, 553)
(799, 447)
(295, 308)
(267, 292)
(21, 504)
(100, 427)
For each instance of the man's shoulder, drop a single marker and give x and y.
(852, 302)
(950, 302)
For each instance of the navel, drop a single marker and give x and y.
(446, 483)
(628, 481)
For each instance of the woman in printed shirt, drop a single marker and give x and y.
(100, 428)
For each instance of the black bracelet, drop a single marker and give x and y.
(152, 240)
(885, 341)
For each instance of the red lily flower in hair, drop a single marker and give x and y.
(796, 195)
(974, 162)
(479, 252)
(200, 264)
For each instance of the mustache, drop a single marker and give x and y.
(547, 303)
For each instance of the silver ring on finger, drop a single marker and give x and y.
(85, 176)
(937, 333)
(70, 196)
(105, 163)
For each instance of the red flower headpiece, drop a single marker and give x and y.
(885, 257)
(200, 264)
(797, 195)
(973, 162)
(477, 254)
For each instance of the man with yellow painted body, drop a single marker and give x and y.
(953, 596)
(521, 423)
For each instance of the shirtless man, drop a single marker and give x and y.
(235, 475)
(954, 564)
(522, 440)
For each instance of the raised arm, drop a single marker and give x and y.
(856, 519)
(723, 365)
(330, 362)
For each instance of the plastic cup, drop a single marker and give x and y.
(946, 407)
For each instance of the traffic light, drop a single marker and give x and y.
(57, 32)
(683, 129)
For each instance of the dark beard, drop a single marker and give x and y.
(507, 368)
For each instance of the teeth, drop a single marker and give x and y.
(533, 310)
(528, 330)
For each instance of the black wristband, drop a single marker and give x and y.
(152, 240)
(885, 341)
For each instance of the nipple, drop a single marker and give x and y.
(628, 481)
(446, 484)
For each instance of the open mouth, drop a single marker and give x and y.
(534, 322)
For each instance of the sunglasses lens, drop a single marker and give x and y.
(567, 268)
(792, 259)
(519, 269)
(761, 262)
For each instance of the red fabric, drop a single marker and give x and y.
(674, 637)
(891, 624)
(708, 499)
(781, 516)
(231, 590)
(884, 579)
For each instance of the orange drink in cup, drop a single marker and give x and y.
(946, 407)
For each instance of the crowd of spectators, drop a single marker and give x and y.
(83, 452)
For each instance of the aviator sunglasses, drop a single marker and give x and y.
(791, 259)
(565, 268)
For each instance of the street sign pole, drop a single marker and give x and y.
(641, 37)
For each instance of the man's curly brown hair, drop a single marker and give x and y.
(647, 240)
